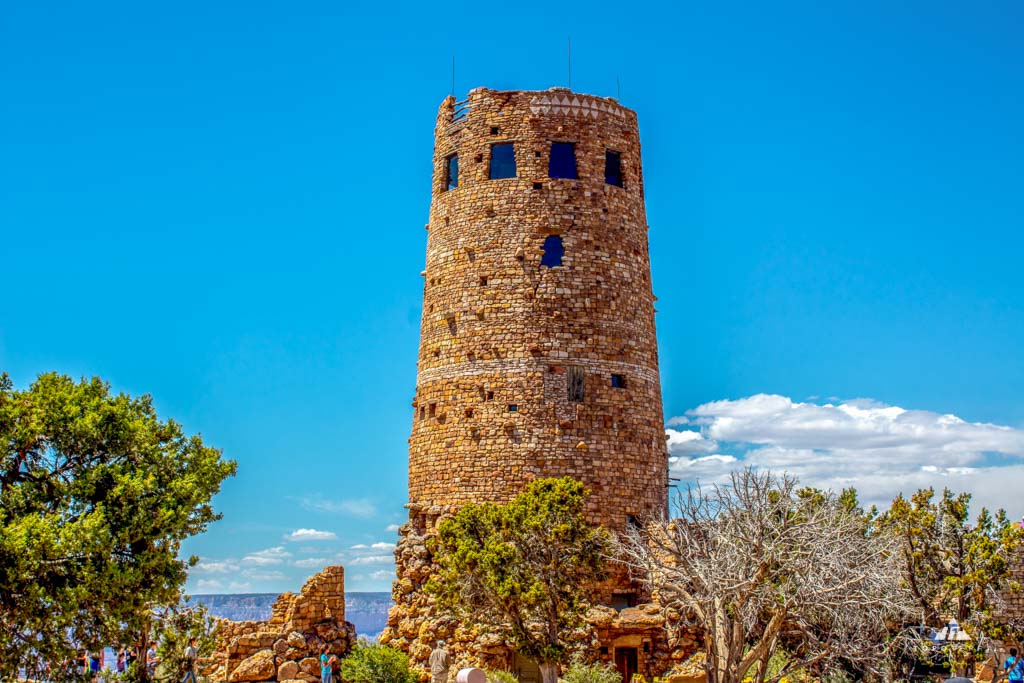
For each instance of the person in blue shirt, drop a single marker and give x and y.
(327, 661)
(1014, 667)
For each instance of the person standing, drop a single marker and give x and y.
(327, 662)
(440, 662)
(191, 655)
(151, 660)
(95, 663)
(1014, 667)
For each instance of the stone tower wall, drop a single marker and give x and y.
(500, 330)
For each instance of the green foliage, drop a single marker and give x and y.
(96, 495)
(174, 628)
(501, 677)
(525, 568)
(369, 663)
(956, 568)
(595, 672)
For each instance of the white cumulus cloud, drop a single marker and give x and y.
(311, 563)
(263, 574)
(266, 558)
(209, 585)
(207, 566)
(372, 559)
(879, 449)
(310, 535)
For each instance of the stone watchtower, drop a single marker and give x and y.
(538, 355)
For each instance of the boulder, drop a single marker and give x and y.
(635, 618)
(287, 671)
(296, 640)
(259, 667)
(310, 665)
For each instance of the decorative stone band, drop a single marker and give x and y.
(553, 103)
(513, 366)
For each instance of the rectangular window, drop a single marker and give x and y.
(563, 160)
(503, 161)
(576, 382)
(613, 168)
(621, 601)
(618, 381)
(451, 173)
(513, 408)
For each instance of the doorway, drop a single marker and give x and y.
(625, 662)
(526, 670)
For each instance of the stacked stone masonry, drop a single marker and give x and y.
(516, 361)
(1011, 608)
(287, 646)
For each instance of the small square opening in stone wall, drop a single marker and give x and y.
(553, 251)
(503, 161)
(575, 380)
(613, 168)
(451, 172)
(513, 408)
(618, 381)
(562, 163)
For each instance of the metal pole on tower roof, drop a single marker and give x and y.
(569, 60)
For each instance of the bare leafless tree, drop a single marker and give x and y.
(763, 566)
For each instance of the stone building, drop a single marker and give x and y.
(287, 646)
(538, 355)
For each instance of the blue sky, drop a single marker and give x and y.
(222, 204)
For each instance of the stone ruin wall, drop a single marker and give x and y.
(286, 647)
(500, 330)
(1012, 608)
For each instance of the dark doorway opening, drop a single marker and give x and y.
(625, 662)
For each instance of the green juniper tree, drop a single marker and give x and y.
(525, 568)
(96, 495)
(956, 568)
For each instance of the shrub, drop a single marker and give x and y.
(376, 664)
(595, 672)
(501, 677)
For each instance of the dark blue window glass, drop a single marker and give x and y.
(452, 172)
(503, 161)
(618, 382)
(563, 160)
(613, 168)
(553, 252)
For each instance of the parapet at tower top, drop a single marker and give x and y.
(557, 100)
